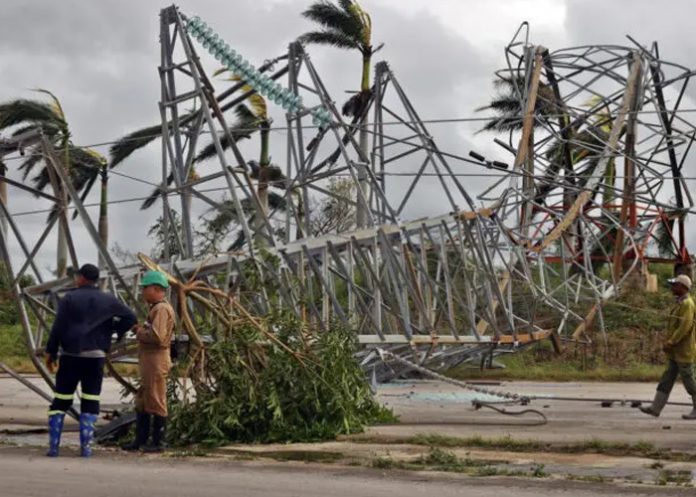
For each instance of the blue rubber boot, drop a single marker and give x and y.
(55, 429)
(87, 422)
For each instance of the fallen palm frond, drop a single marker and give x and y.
(262, 379)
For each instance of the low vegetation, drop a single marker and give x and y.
(302, 386)
(438, 459)
(630, 351)
(510, 444)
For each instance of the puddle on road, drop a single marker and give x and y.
(423, 392)
(451, 397)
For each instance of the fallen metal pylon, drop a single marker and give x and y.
(439, 290)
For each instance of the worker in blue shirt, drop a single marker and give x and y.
(80, 338)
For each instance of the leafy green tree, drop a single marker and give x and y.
(333, 214)
(225, 221)
(166, 241)
(9, 314)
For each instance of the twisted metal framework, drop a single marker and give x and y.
(598, 170)
(465, 284)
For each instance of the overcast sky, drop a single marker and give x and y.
(100, 58)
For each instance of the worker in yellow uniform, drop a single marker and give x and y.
(679, 346)
(154, 361)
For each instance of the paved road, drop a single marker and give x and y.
(25, 473)
(434, 407)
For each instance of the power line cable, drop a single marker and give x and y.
(452, 120)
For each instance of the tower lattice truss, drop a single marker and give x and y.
(588, 187)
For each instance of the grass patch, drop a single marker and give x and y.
(503, 443)
(598, 446)
(196, 452)
(19, 364)
(527, 365)
(12, 341)
(588, 478)
(244, 457)
(438, 459)
(444, 460)
(126, 370)
(486, 471)
(507, 443)
(286, 455)
(539, 471)
(383, 462)
(670, 477)
(13, 350)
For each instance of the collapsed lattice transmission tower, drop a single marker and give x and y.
(596, 172)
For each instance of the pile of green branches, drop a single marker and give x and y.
(294, 384)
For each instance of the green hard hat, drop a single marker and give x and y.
(154, 278)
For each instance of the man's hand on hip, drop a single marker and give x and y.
(50, 363)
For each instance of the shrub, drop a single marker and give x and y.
(305, 385)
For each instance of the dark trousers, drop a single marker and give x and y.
(88, 373)
(674, 369)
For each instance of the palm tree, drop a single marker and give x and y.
(125, 146)
(584, 144)
(103, 227)
(266, 174)
(508, 105)
(243, 128)
(346, 25)
(82, 164)
(249, 119)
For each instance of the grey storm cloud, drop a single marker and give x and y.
(101, 58)
(599, 22)
(668, 23)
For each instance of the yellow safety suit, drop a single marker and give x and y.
(680, 339)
